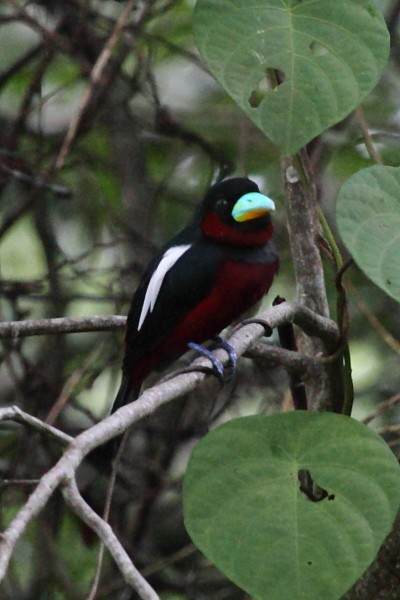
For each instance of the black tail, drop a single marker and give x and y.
(127, 393)
(103, 456)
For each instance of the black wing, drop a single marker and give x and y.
(185, 285)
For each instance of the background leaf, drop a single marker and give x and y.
(368, 218)
(245, 511)
(331, 53)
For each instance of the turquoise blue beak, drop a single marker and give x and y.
(252, 206)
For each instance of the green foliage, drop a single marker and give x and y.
(79, 558)
(83, 255)
(21, 261)
(245, 511)
(368, 218)
(296, 68)
(330, 54)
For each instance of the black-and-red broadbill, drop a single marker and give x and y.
(204, 279)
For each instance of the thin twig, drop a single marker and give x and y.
(18, 482)
(381, 330)
(287, 340)
(294, 362)
(172, 559)
(13, 413)
(369, 143)
(70, 384)
(389, 429)
(381, 408)
(61, 191)
(106, 513)
(132, 576)
(95, 80)
(310, 322)
(53, 38)
(18, 329)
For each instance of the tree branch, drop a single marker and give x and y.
(294, 362)
(131, 575)
(303, 229)
(95, 80)
(64, 470)
(17, 329)
(324, 391)
(14, 413)
(290, 312)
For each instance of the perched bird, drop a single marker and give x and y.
(204, 279)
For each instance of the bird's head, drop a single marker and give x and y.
(235, 212)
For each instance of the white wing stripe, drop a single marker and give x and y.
(171, 256)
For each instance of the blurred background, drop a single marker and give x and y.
(78, 226)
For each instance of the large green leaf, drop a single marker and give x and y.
(331, 54)
(368, 218)
(245, 511)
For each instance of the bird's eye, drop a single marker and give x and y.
(221, 203)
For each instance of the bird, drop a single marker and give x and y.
(204, 279)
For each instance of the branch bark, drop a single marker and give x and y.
(324, 391)
(132, 576)
(14, 413)
(17, 329)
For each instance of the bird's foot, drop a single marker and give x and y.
(219, 342)
(217, 368)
